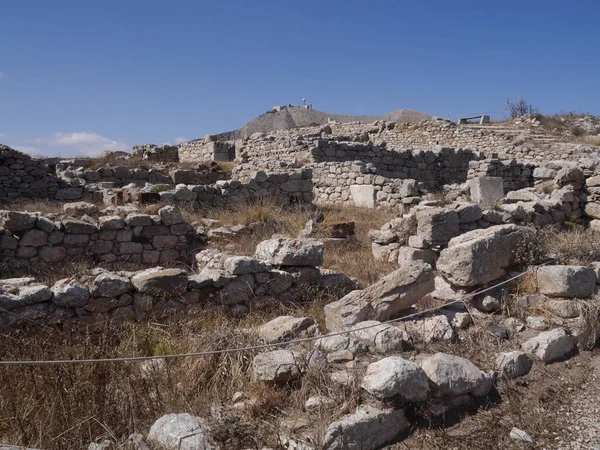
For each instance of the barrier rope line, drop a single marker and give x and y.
(265, 346)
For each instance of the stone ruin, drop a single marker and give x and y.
(467, 199)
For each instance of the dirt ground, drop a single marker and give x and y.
(558, 405)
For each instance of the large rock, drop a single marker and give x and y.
(452, 375)
(110, 285)
(383, 299)
(17, 221)
(481, 256)
(550, 345)
(486, 191)
(284, 328)
(363, 195)
(291, 252)
(239, 265)
(566, 281)
(181, 432)
(394, 376)
(436, 226)
(76, 226)
(279, 366)
(384, 338)
(170, 215)
(368, 428)
(78, 209)
(513, 364)
(430, 329)
(69, 293)
(161, 282)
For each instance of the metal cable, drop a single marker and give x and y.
(263, 346)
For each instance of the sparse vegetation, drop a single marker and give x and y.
(519, 107)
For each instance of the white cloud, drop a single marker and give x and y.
(3, 76)
(180, 140)
(33, 151)
(87, 143)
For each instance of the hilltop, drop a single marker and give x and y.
(290, 116)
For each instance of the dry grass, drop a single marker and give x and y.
(591, 140)
(577, 247)
(354, 258)
(58, 407)
(34, 205)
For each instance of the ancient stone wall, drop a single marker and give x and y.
(159, 153)
(515, 175)
(338, 166)
(282, 187)
(32, 239)
(285, 272)
(23, 176)
(204, 150)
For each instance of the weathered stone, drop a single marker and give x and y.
(437, 226)
(34, 238)
(75, 226)
(452, 375)
(170, 215)
(486, 191)
(279, 282)
(161, 282)
(238, 291)
(110, 285)
(513, 364)
(291, 252)
(363, 195)
(181, 432)
(239, 265)
(111, 223)
(70, 293)
(53, 254)
(284, 328)
(78, 209)
(280, 366)
(368, 428)
(393, 376)
(16, 220)
(338, 342)
(430, 329)
(384, 338)
(383, 299)
(138, 220)
(30, 295)
(566, 309)
(481, 256)
(408, 255)
(566, 281)
(550, 345)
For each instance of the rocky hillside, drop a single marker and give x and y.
(297, 116)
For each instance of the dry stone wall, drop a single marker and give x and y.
(339, 166)
(30, 240)
(23, 176)
(283, 270)
(282, 187)
(207, 149)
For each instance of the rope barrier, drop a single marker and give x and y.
(264, 346)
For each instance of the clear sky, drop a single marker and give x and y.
(79, 76)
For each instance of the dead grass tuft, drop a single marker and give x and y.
(34, 205)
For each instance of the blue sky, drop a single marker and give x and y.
(79, 77)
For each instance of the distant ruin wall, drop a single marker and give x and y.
(283, 187)
(23, 176)
(204, 150)
(338, 166)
